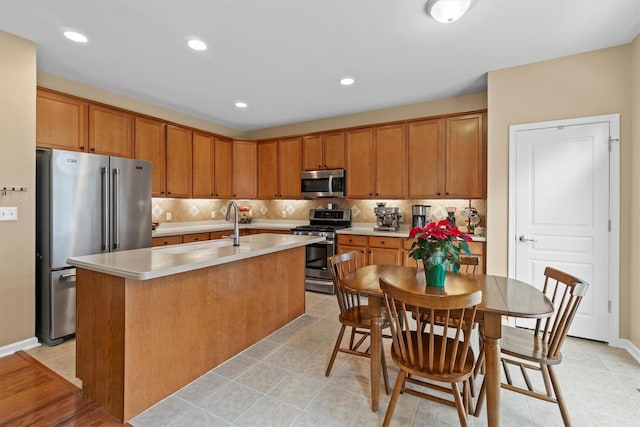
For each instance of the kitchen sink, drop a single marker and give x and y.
(192, 247)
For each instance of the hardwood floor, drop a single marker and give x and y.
(32, 394)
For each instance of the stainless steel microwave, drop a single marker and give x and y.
(323, 183)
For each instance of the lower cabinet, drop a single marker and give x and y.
(372, 249)
(199, 237)
(167, 240)
(393, 250)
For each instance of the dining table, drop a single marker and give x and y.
(501, 296)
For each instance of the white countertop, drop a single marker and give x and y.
(150, 263)
(175, 228)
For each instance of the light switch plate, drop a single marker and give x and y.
(9, 213)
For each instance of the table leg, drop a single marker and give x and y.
(492, 335)
(376, 349)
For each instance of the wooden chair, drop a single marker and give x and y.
(539, 350)
(426, 356)
(354, 313)
(469, 264)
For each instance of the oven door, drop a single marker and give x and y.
(316, 261)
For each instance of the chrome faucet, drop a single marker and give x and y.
(236, 229)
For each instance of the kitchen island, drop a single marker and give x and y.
(150, 321)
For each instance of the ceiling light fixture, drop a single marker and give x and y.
(241, 104)
(347, 81)
(196, 44)
(75, 36)
(447, 11)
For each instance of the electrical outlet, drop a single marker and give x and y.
(213, 214)
(284, 214)
(8, 213)
(168, 216)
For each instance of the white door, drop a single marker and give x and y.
(562, 214)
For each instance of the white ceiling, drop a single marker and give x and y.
(285, 57)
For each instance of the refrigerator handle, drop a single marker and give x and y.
(105, 204)
(115, 211)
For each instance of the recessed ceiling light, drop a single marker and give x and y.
(347, 81)
(241, 104)
(196, 44)
(75, 36)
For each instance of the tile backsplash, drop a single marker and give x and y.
(183, 210)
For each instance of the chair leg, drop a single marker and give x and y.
(481, 396)
(556, 388)
(335, 350)
(385, 374)
(394, 398)
(460, 407)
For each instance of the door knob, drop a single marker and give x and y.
(526, 239)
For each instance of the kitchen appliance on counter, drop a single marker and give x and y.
(322, 222)
(323, 183)
(421, 215)
(85, 204)
(389, 217)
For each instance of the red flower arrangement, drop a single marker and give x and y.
(435, 245)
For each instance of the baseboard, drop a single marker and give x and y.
(631, 348)
(20, 345)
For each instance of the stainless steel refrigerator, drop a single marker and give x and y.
(85, 204)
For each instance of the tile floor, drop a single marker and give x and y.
(280, 381)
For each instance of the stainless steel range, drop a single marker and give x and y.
(322, 222)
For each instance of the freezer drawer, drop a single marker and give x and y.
(63, 303)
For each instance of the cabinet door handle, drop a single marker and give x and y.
(319, 166)
(93, 149)
(82, 147)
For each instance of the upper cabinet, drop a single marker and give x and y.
(179, 161)
(447, 158)
(359, 163)
(376, 162)
(279, 167)
(110, 131)
(465, 157)
(324, 151)
(425, 160)
(203, 165)
(245, 169)
(61, 121)
(289, 167)
(223, 168)
(149, 144)
(267, 169)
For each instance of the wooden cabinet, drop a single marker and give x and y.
(179, 161)
(376, 162)
(279, 166)
(289, 167)
(110, 131)
(425, 160)
(372, 249)
(195, 237)
(167, 240)
(324, 151)
(61, 121)
(203, 165)
(390, 160)
(268, 169)
(465, 157)
(223, 166)
(149, 144)
(245, 169)
(359, 163)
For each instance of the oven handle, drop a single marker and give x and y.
(323, 243)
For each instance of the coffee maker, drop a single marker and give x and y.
(388, 217)
(421, 215)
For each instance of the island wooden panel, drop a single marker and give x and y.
(139, 341)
